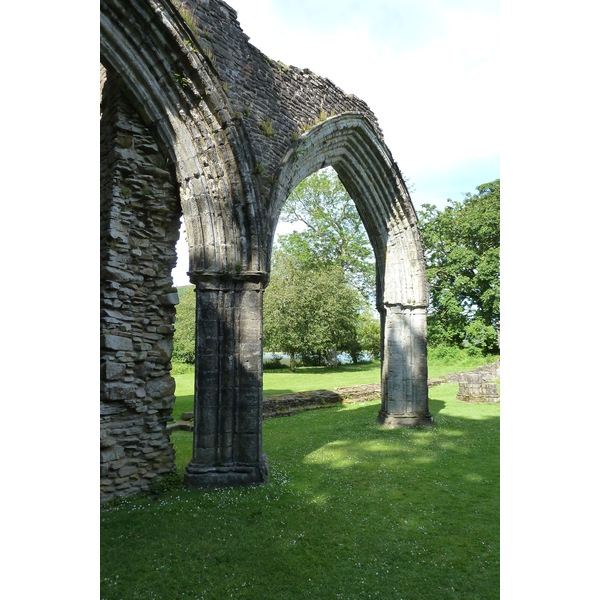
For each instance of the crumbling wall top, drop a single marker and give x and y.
(273, 102)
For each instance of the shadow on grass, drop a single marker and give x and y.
(351, 509)
(435, 407)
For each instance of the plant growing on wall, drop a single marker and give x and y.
(266, 126)
(181, 79)
(308, 125)
(188, 17)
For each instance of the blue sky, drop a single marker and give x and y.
(429, 70)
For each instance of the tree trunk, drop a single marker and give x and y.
(331, 358)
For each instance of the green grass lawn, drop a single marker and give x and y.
(283, 381)
(351, 511)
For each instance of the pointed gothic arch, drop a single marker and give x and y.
(350, 144)
(149, 49)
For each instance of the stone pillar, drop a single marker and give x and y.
(404, 398)
(228, 387)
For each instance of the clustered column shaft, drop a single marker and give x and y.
(227, 447)
(404, 398)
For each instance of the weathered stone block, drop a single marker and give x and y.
(113, 370)
(163, 404)
(157, 388)
(170, 299)
(112, 454)
(248, 421)
(163, 349)
(127, 471)
(108, 411)
(204, 456)
(121, 275)
(247, 448)
(117, 391)
(116, 342)
(106, 441)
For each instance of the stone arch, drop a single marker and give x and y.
(153, 59)
(349, 143)
(162, 69)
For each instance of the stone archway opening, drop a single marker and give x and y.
(350, 144)
(320, 229)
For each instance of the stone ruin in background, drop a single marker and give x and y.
(479, 385)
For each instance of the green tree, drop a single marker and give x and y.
(462, 255)
(308, 311)
(185, 326)
(369, 339)
(367, 335)
(334, 233)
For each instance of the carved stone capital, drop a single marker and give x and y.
(229, 281)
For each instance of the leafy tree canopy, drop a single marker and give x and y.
(462, 255)
(308, 311)
(185, 326)
(323, 277)
(334, 233)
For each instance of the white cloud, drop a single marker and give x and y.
(436, 99)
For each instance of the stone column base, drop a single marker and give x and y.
(197, 476)
(394, 421)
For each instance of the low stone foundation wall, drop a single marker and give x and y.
(285, 405)
(489, 372)
(474, 386)
(289, 404)
(480, 385)
(475, 390)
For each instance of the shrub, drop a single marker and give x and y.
(481, 336)
(273, 363)
(185, 327)
(444, 352)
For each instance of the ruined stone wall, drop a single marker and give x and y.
(139, 228)
(479, 386)
(274, 102)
